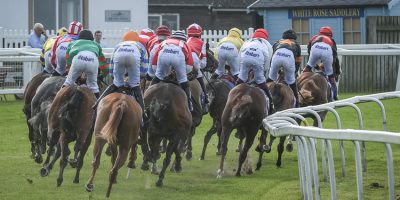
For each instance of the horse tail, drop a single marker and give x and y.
(305, 96)
(70, 111)
(110, 129)
(241, 109)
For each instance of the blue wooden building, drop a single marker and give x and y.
(353, 22)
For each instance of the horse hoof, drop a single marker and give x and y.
(44, 172)
(258, 166)
(289, 147)
(73, 163)
(189, 156)
(159, 183)
(59, 182)
(278, 165)
(89, 187)
(267, 148)
(145, 167)
(76, 181)
(201, 158)
(38, 159)
(238, 174)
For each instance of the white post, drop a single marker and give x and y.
(398, 77)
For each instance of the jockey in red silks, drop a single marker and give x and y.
(162, 33)
(198, 48)
(174, 53)
(323, 47)
(60, 46)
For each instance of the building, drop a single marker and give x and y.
(353, 22)
(210, 14)
(95, 14)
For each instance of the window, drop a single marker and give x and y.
(301, 26)
(169, 19)
(68, 11)
(45, 13)
(54, 14)
(351, 30)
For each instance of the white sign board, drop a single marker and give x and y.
(117, 15)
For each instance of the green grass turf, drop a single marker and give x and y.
(198, 178)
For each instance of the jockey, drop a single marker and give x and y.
(287, 54)
(45, 55)
(85, 55)
(162, 33)
(60, 47)
(228, 52)
(144, 38)
(175, 53)
(255, 55)
(323, 47)
(131, 57)
(198, 48)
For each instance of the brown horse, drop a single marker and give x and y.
(283, 98)
(70, 119)
(118, 124)
(169, 118)
(40, 107)
(245, 109)
(29, 92)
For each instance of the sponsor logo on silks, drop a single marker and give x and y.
(282, 54)
(252, 54)
(253, 49)
(85, 58)
(227, 48)
(63, 48)
(321, 47)
(171, 51)
(126, 50)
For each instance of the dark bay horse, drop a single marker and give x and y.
(70, 119)
(245, 109)
(169, 118)
(40, 107)
(29, 92)
(118, 124)
(283, 98)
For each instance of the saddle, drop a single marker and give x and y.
(171, 78)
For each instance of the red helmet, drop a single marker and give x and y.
(194, 30)
(144, 39)
(326, 30)
(163, 30)
(261, 33)
(75, 27)
(147, 31)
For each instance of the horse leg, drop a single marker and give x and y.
(132, 157)
(163, 145)
(226, 132)
(119, 162)
(207, 138)
(43, 140)
(145, 150)
(45, 171)
(177, 167)
(97, 150)
(31, 138)
(37, 141)
(64, 158)
(219, 131)
(189, 148)
(280, 150)
(260, 147)
(268, 147)
(289, 145)
(77, 147)
(172, 145)
(243, 154)
(84, 147)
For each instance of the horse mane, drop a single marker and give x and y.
(110, 129)
(70, 111)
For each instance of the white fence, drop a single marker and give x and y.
(284, 124)
(19, 38)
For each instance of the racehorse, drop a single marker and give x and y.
(169, 118)
(29, 92)
(70, 119)
(283, 98)
(118, 124)
(245, 109)
(40, 107)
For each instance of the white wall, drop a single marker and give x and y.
(138, 8)
(14, 14)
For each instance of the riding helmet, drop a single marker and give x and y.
(289, 34)
(86, 35)
(179, 35)
(326, 30)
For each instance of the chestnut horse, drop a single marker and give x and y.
(70, 119)
(29, 92)
(118, 124)
(169, 118)
(245, 109)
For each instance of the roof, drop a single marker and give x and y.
(316, 3)
(200, 3)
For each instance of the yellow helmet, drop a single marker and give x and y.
(235, 32)
(62, 31)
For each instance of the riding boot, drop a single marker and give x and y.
(137, 93)
(97, 95)
(264, 87)
(155, 80)
(203, 87)
(332, 81)
(269, 80)
(186, 88)
(110, 89)
(295, 93)
(307, 69)
(55, 73)
(214, 76)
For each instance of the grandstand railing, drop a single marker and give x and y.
(285, 123)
